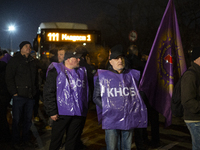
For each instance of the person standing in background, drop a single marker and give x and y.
(190, 98)
(21, 83)
(5, 98)
(61, 54)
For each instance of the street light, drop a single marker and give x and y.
(11, 29)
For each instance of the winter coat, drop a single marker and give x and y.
(4, 94)
(190, 93)
(49, 92)
(21, 75)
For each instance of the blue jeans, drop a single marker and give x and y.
(121, 139)
(22, 111)
(194, 129)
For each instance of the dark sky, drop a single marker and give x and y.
(26, 16)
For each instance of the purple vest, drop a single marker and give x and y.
(123, 108)
(72, 90)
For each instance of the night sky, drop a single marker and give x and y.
(26, 16)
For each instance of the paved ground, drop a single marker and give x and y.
(175, 137)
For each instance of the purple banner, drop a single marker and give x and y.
(165, 65)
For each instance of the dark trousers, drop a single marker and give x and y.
(36, 106)
(141, 135)
(22, 111)
(4, 126)
(154, 121)
(73, 126)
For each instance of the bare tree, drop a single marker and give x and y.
(144, 16)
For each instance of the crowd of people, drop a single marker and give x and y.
(71, 81)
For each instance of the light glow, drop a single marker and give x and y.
(53, 36)
(11, 28)
(64, 37)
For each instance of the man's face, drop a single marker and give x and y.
(26, 49)
(73, 62)
(118, 64)
(144, 57)
(61, 55)
(100, 58)
(87, 57)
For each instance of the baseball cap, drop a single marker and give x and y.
(116, 51)
(195, 53)
(72, 53)
(82, 50)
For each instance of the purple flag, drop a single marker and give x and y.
(165, 65)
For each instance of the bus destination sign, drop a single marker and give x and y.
(67, 37)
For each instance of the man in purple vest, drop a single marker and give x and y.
(122, 108)
(66, 100)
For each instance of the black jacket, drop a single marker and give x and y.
(4, 94)
(49, 93)
(21, 75)
(190, 93)
(91, 70)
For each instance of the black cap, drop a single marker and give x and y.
(72, 53)
(116, 51)
(82, 50)
(53, 51)
(195, 53)
(23, 43)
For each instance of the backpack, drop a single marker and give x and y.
(176, 106)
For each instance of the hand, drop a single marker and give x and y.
(15, 94)
(55, 117)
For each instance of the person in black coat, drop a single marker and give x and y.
(21, 83)
(66, 122)
(5, 98)
(190, 98)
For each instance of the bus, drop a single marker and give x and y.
(51, 35)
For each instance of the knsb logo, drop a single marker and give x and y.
(78, 83)
(125, 91)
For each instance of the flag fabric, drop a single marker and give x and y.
(165, 65)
